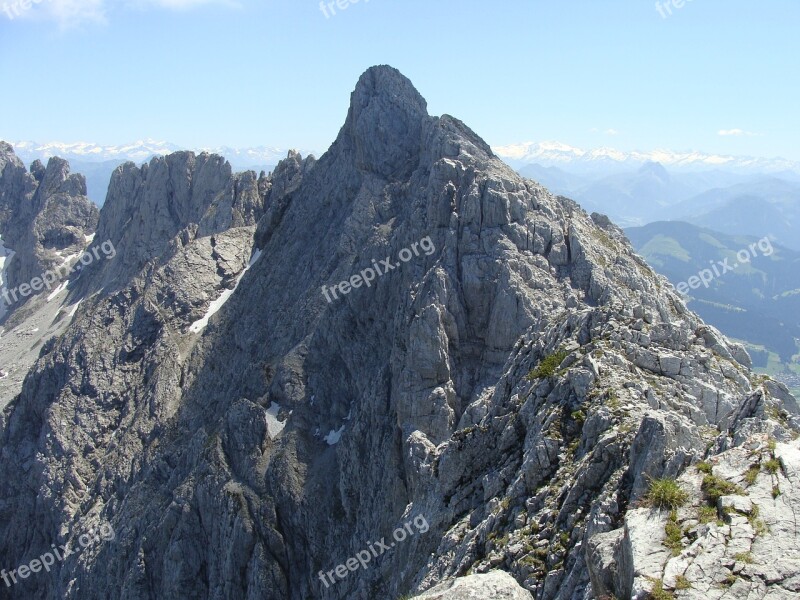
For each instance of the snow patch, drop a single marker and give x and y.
(274, 426)
(69, 258)
(58, 290)
(215, 305)
(333, 437)
(74, 308)
(5, 255)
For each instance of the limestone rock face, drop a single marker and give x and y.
(152, 210)
(279, 371)
(497, 585)
(736, 537)
(45, 216)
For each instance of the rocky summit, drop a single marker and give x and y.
(400, 370)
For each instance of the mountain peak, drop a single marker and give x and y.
(385, 83)
(384, 123)
(656, 169)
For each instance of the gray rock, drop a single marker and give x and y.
(752, 553)
(740, 504)
(494, 585)
(608, 564)
(45, 217)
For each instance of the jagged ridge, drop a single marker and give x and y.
(423, 374)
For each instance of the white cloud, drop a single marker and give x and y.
(735, 132)
(73, 13)
(605, 131)
(68, 13)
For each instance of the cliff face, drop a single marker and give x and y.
(181, 196)
(416, 335)
(45, 216)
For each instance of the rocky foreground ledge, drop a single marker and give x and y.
(735, 536)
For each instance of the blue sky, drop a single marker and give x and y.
(278, 72)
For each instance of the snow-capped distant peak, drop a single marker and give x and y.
(142, 150)
(527, 150)
(546, 153)
(557, 154)
(137, 151)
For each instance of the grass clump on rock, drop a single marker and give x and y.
(704, 467)
(659, 593)
(715, 487)
(752, 474)
(666, 493)
(773, 465)
(548, 365)
(706, 514)
(673, 535)
(682, 583)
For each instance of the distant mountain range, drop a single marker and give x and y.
(757, 301)
(550, 154)
(733, 202)
(766, 206)
(143, 150)
(634, 197)
(545, 154)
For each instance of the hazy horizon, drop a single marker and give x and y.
(618, 74)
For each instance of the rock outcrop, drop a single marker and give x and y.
(45, 217)
(497, 585)
(170, 201)
(735, 536)
(409, 330)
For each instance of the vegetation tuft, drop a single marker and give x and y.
(752, 474)
(716, 487)
(659, 593)
(666, 493)
(704, 467)
(548, 365)
(707, 514)
(578, 415)
(674, 535)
